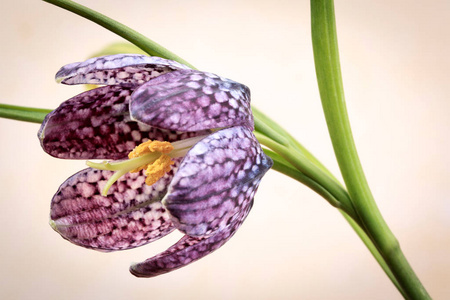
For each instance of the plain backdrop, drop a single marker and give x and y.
(293, 245)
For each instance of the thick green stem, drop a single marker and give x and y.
(373, 249)
(328, 72)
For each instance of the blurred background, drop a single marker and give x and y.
(293, 245)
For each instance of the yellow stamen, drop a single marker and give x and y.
(153, 156)
(154, 170)
(157, 170)
(151, 146)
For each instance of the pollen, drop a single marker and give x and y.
(151, 146)
(157, 169)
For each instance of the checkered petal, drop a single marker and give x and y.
(97, 125)
(210, 188)
(190, 100)
(190, 249)
(130, 215)
(119, 69)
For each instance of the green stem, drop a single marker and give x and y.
(21, 113)
(146, 44)
(301, 163)
(284, 167)
(260, 117)
(373, 249)
(328, 73)
(268, 130)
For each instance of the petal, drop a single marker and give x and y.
(96, 125)
(130, 216)
(190, 249)
(189, 100)
(208, 190)
(119, 69)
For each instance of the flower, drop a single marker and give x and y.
(189, 132)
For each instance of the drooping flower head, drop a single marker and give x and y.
(193, 162)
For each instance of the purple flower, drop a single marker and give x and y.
(200, 180)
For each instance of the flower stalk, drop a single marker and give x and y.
(326, 57)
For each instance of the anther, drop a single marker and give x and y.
(151, 146)
(158, 169)
(154, 170)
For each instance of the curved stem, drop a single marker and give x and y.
(267, 129)
(301, 163)
(328, 71)
(146, 44)
(284, 167)
(260, 117)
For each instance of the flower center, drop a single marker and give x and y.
(154, 170)
(153, 156)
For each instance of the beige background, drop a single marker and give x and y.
(395, 65)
